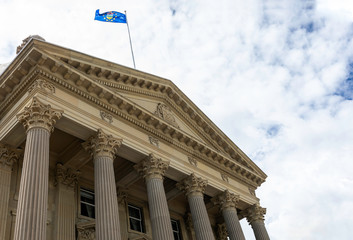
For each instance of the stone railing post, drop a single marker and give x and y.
(194, 188)
(152, 170)
(38, 120)
(103, 149)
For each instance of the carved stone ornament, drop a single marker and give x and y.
(8, 156)
(38, 115)
(106, 117)
(225, 200)
(164, 112)
(121, 196)
(154, 141)
(222, 232)
(102, 145)
(66, 176)
(188, 221)
(252, 191)
(225, 177)
(42, 84)
(192, 161)
(152, 167)
(192, 185)
(255, 213)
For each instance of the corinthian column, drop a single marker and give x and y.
(255, 216)
(152, 169)
(65, 180)
(103, 149)
(194, 188)
(38, 120)
(7, 158)
(227, 202)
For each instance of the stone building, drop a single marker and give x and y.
(90, 149)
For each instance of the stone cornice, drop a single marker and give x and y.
(94, 91)
(152, 167)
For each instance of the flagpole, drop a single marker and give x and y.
(132, 52)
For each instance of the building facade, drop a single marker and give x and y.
(94, 150)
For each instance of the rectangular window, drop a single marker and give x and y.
(87, 203)
(176, 229)
(136, 218)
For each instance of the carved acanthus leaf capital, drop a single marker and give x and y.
(226, 199)
(152, 167)
(255, 213)
(66, 176)
(8, 156)
(39, 115)
(102, 145)
(192, 185)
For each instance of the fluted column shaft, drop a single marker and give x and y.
(103, 148)
(194, 188)
(31, 215)
(7, 158)
(233, 225)
(200, 217)
(260, 230)
(153, 169)
(38, 120)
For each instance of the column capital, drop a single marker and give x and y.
(66, 176)
(226, 199)
(152, 167)
(8, 156)
(192, 185)
(255, 213)
(39, 115)
(102, 145)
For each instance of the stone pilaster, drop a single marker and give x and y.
(103, 149)
(194, 188)
(152, 169)
(255, 216)
(227, 202)
(65, 180)
(38, 120)
(8, 157)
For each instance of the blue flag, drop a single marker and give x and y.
(112, 16)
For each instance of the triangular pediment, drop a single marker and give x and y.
(154, 102)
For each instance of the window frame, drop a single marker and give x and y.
(180, 235)
(89, 191)
(141, 220)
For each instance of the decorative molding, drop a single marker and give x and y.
(8, 156)
(38, 115)
(252, 191)
(192, 161)
(122, 196)
(152, 167)
(188, 221)
(153, 141)
(42, 84)
(164, 112)
(222, 232)
(225, 200)
(86, 230)
(225, 177)
(102, 145)
(106, 116)
(192, 185)
(66, 176)
(255, 213)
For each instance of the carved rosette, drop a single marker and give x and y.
(255, 213)
(39, 115)
(8, 156)
(66, 176)
(102, 145)
(192, 185)
(152, 167)
(225, 200)
(42, 84)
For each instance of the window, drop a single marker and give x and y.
(176, 229)
(87, 203)
(136, 219)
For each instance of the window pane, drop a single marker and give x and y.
(87, 197)
(134, 212)
(87, 210)
(135, 225)
(176, 235)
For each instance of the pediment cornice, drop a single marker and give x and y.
(100, 86)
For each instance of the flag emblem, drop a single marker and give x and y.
(111, 16)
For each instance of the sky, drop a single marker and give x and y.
(276, 76)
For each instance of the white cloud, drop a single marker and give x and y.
(271, 74)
